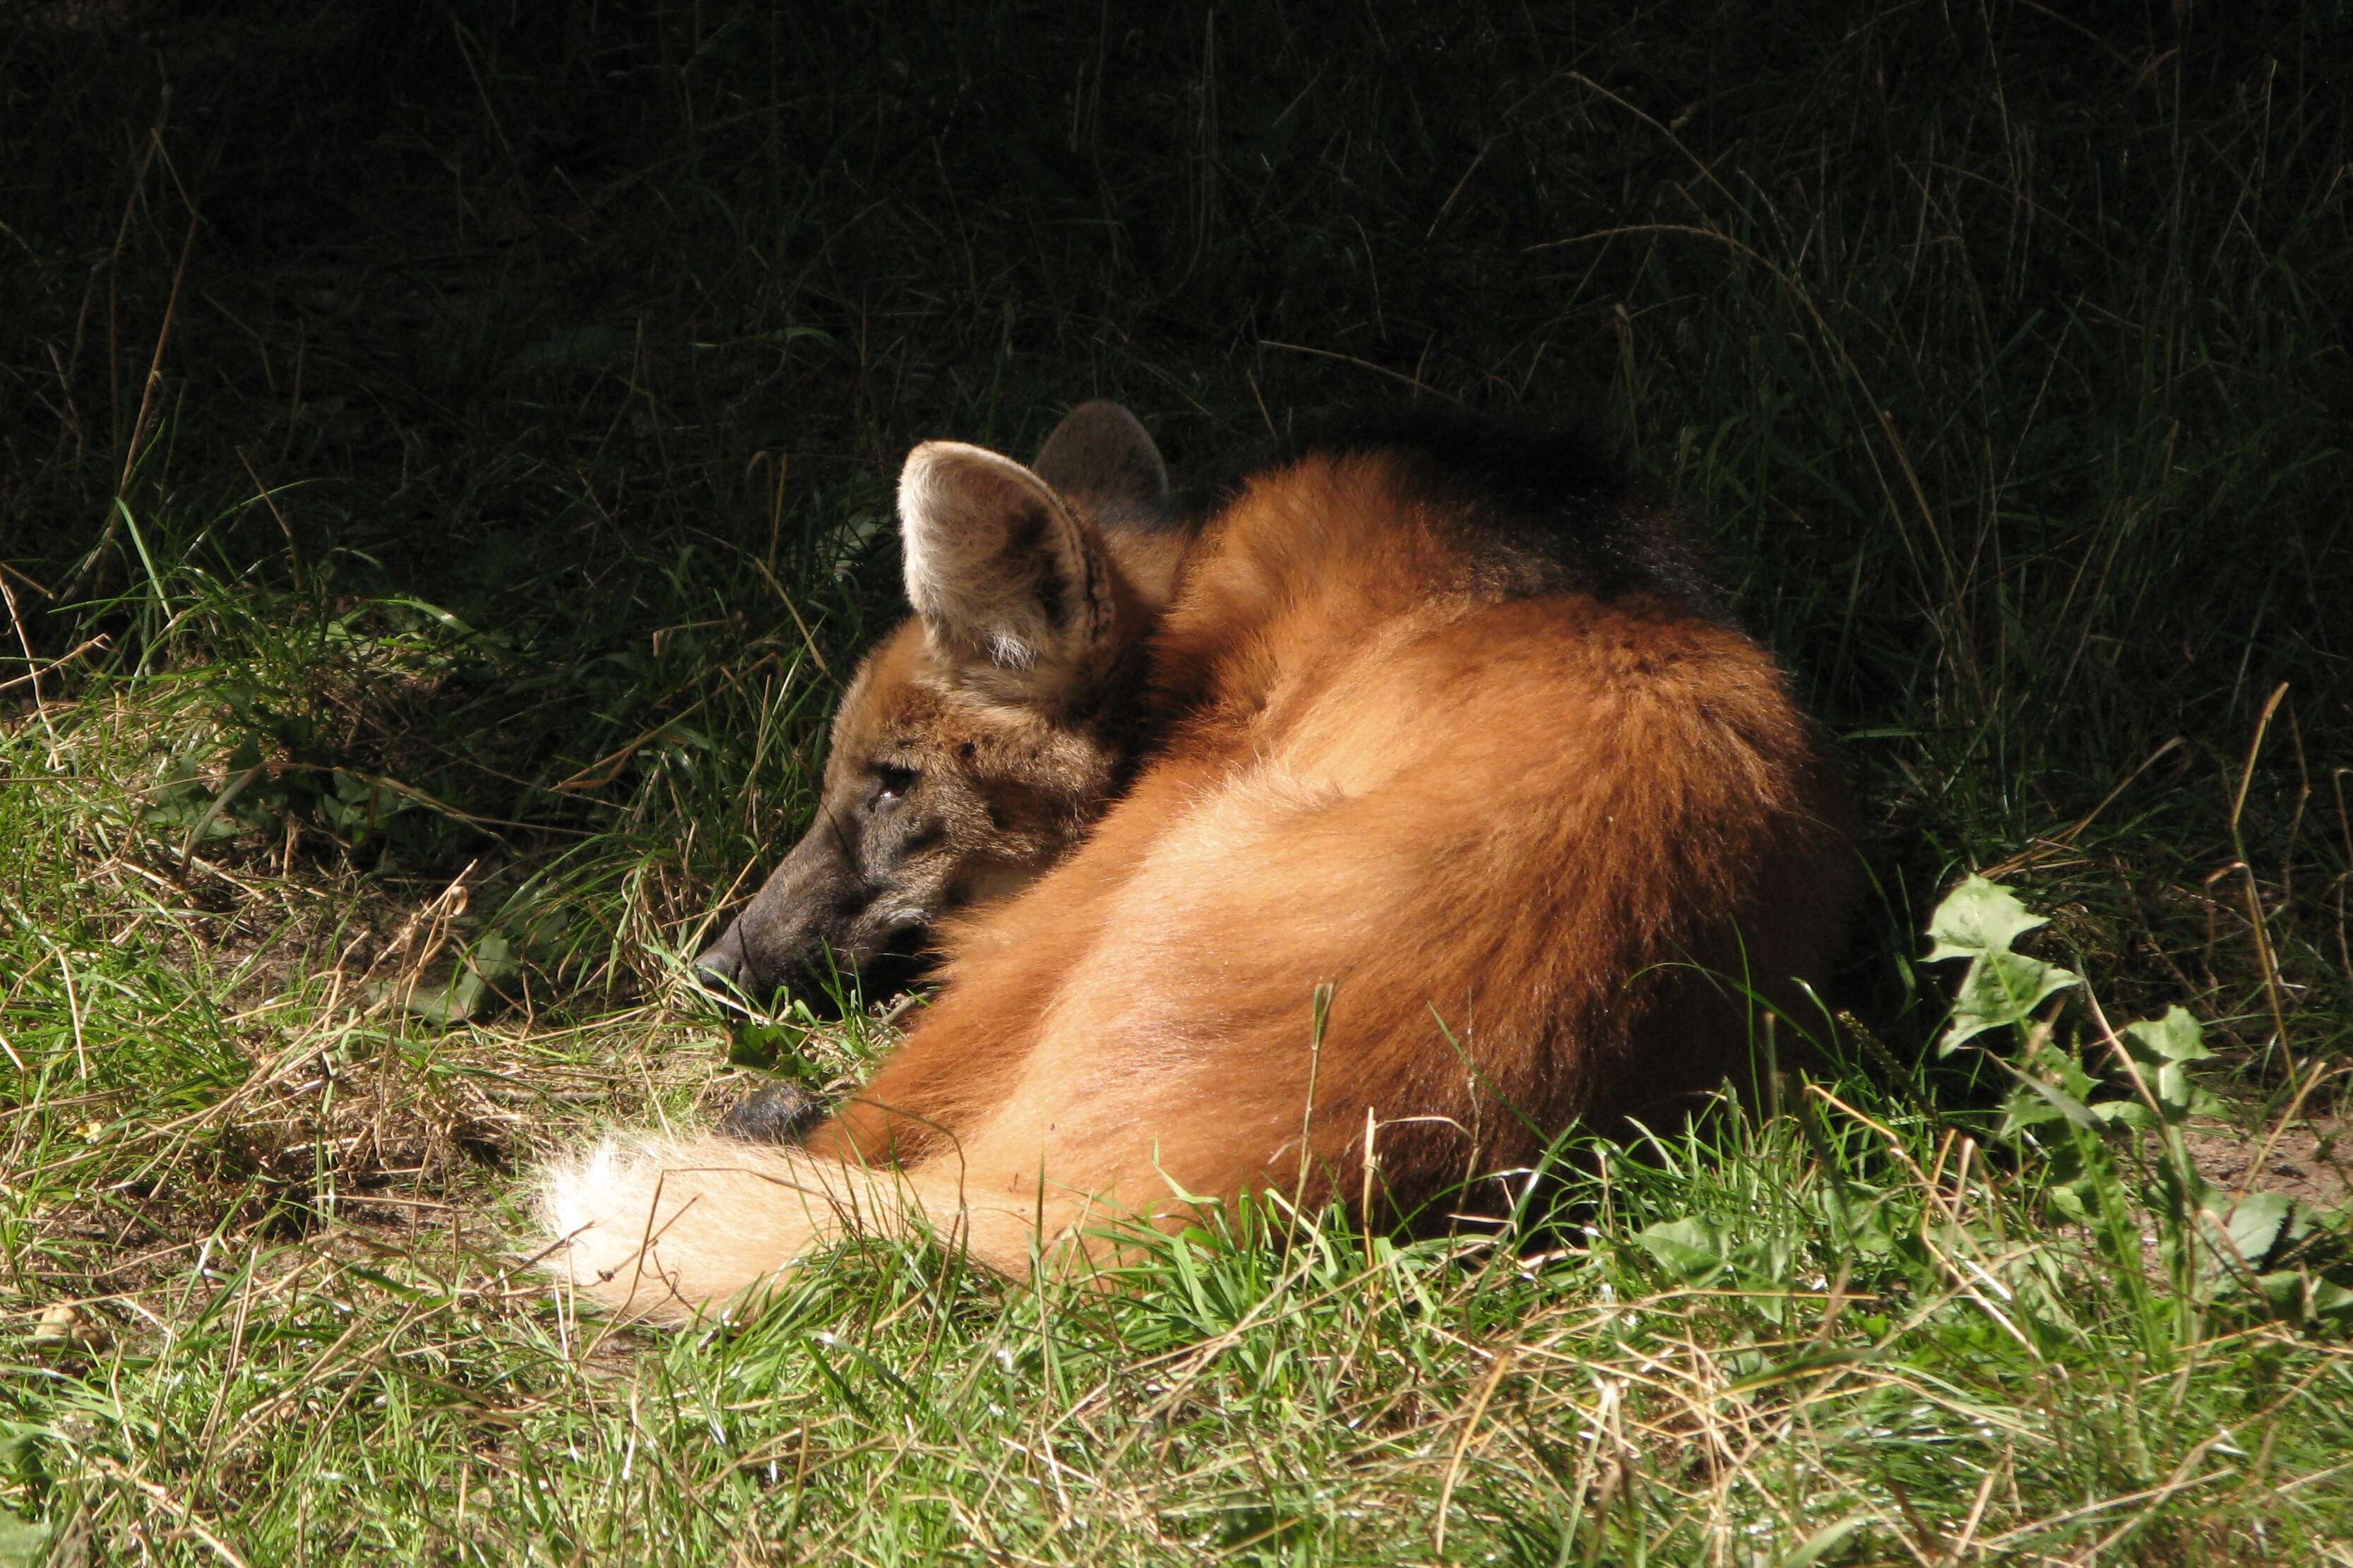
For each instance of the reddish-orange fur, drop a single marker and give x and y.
(1539, 847)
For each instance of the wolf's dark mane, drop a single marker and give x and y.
(1543, 511)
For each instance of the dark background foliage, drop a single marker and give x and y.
(1999, 351)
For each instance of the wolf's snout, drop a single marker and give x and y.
(722, 964)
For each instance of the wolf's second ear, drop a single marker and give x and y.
(1101, 458)
(1011, 585)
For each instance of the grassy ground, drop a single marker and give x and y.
(444, 475)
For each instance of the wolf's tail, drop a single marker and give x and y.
(663, 1229)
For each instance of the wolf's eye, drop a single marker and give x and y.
(891, 782)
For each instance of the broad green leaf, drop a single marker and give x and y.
(2176, 1037)
(1978, 917)
(471, 985)
(2181, 1096)
(493, 959)
(2023, 1109)
(2326, 1299)
(445, 1002)
(21, 1541)
(2254, 1227)
(1688, 1247)
(2001, 990)
(2070, 1106)
(1978, 921)
(765, 1047)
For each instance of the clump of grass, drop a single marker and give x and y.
(446, 480)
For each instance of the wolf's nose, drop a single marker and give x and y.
(722, 961)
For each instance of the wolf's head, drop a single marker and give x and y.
(982, 739)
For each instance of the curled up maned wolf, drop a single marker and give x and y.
(1433, 714)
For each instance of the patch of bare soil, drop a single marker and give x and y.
(2309, 1160)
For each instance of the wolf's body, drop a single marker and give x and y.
(1436, 719)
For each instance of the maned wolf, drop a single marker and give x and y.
(1433, 714)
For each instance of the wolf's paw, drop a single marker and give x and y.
(778, 1113)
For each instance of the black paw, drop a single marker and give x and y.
(779, 1113)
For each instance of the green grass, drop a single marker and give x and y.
(428, 646)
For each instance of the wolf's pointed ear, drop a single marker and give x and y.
(1104, 460)
(1012, 586)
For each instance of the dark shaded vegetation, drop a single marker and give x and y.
(2002, 359)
